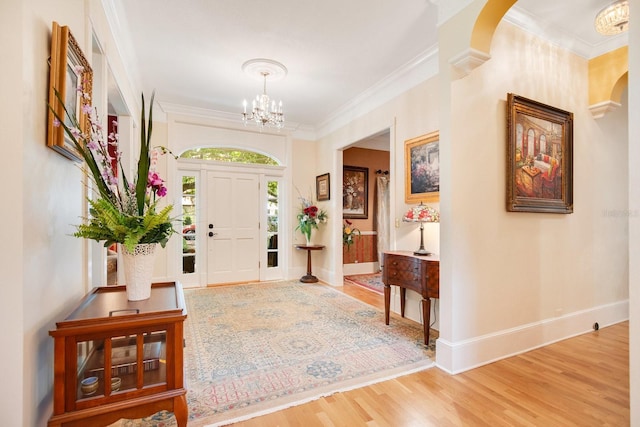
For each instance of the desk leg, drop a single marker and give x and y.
(180, 410)
(426, 316)
(403, 294)
(387, 302)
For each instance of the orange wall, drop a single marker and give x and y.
(373, 160)
(364, 247)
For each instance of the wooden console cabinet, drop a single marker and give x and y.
(131, 349)
(418, 273)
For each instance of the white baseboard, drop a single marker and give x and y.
(456, 357)
(360, 268)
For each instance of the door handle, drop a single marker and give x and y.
(211, 234)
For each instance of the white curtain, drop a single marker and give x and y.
(382, 217)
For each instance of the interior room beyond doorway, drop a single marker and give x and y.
(370, 157)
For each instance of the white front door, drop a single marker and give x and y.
(233, 227)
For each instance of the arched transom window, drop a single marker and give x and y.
(231, 155)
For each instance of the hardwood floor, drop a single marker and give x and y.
(582, 381)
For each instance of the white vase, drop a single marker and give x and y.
(307, 237)
(138, 270)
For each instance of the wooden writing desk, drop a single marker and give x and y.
(418, 273)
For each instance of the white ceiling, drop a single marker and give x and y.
(336, 51)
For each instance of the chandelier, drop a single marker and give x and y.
(264, 111)
(613, 19)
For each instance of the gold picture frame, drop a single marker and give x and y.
(68, 69)
(539, 157)
(422, 168)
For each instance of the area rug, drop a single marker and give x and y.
(372, 282)
(258, 348)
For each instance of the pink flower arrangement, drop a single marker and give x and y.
(123, 211)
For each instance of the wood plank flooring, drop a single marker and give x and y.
(582, 381)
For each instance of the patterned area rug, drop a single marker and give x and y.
(372, 282)
(258, 348)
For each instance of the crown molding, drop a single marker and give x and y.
(423, 67)
(225, 118)
(556, 36)
(414, 72)
(122, 38)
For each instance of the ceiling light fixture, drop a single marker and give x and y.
(264, 111)
(613, 19)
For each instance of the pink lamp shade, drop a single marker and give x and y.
(421, 214)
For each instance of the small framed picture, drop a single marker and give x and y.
(355, 189)
(323, 192)
(422, 168)
(539, 157)
(69, 70)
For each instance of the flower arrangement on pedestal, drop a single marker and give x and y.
(348, 233)
(123, 211)
(309, 218)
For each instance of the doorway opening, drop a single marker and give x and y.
(366, 164)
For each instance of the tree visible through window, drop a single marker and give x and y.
(232, 155)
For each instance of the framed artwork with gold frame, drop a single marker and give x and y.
(422, 168)
(69, 69)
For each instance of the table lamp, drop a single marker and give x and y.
(421, 214)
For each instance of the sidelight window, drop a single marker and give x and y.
(189, 221)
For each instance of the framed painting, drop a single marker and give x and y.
(68, 71)
(422, 168)
(355, 188)
(539, 157)
(322, 187)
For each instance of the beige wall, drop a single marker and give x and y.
(12, 122)
(411, 114)
(50, 260)
(47, 274)
(304, 169)
(529, 262)
(634, 220)
(514, 280)
(517, 280)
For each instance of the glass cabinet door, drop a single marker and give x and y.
(124, 357)
(95, 378)
(90, 378)
(154, 358)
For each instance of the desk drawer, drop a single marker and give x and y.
(403, 271)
